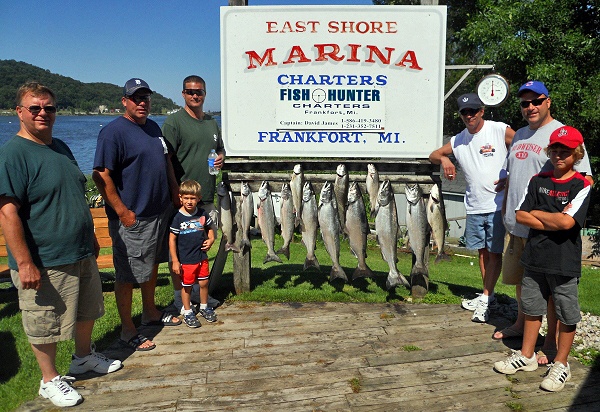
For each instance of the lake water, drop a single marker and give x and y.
(79, 132)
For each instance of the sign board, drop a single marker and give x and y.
(333, 81)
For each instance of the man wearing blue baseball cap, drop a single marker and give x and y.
(525, 159)
(134, 175)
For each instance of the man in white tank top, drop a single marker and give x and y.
(480, 149)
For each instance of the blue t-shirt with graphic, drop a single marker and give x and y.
(191, 231)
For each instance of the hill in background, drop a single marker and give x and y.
(73, 96)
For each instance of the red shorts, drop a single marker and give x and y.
(191, 274)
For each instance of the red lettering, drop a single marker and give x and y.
(252, 55)
(411, 58)
(292, 27)
(271, 27)
(297, 53)
(332, 54)
(287, 27)
(332, 51)
(362, 27)
(353, 53)
(375, 50)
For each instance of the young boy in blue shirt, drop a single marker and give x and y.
(191, 236)
(554, 208)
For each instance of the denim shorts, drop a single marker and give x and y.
(138, 248)
(68, 294)
(537, 288)
(485, 231)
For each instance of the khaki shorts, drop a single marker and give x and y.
(68, 293)
(512, 269)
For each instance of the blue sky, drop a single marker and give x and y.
(111, 41)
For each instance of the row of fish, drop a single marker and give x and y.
(341, 212)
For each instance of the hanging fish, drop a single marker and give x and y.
(266, 221)
(329, 223)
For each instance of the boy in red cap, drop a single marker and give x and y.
(554, 208)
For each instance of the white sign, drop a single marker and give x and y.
(333, 81)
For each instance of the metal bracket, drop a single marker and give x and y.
(469, 68)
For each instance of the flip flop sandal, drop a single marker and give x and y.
(508, 333)
(136, 341)
(166, 319)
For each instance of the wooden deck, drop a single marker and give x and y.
(327, 357)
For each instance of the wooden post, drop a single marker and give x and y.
(242, 262)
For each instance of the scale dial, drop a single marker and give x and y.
(493, 90)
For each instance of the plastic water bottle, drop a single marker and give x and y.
(211, 163)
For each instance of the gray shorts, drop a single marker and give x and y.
(138, 248)
(537, 288)
(68, 293)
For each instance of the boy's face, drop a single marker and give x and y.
(189, 202)
(562, 157)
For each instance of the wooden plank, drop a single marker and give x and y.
(250, 361)
(97, 212)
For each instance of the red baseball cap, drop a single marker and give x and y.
(567, 136)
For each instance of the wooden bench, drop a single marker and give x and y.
(101, 229)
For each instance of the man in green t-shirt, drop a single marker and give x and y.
(191, 134)
(52, 248)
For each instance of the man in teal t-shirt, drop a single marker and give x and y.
(191, 134)
(52, 248)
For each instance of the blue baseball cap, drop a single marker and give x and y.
(133, 85)
(533, 86)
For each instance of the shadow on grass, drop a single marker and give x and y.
(10, 357)
(288, 276)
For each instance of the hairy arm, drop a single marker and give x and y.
(440, 157)
(12, 227)
(108, 190)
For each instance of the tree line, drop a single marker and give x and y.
(73, 96)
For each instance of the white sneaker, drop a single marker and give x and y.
(481, 313)
(95, 361)
(557, 375)
(471, 304)
(516, 362)
(60, 392)
(193, 307)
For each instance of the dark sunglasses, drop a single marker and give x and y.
(35, 109)
(469, 112)
(140, 98)
(536, 102)
(191, 92)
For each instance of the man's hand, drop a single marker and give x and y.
(219, 161)
(500, 184)
(30, 277)
(128, 218)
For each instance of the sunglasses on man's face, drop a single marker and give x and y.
(191, 92)
(35, 109)
(469, 112)
(139, 98)
(536, 102)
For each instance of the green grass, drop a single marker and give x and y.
(271, 282)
